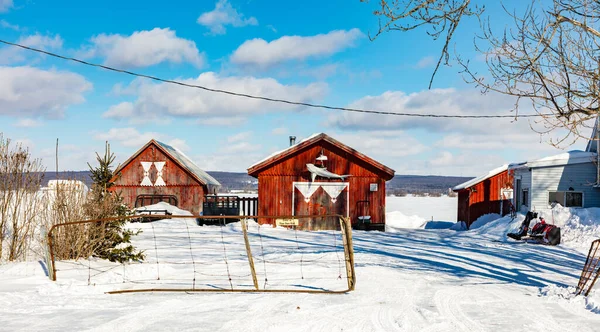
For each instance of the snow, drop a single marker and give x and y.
(476, 180)
(407, 280)
(570, 157)
(276, 153)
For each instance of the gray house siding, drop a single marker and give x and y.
(579, 177)
(525, 175)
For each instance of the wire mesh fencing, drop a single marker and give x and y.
(212, 253)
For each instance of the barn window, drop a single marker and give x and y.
(566, 198)
(525, 197)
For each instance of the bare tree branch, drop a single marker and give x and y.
(440, 16)
(548, 58)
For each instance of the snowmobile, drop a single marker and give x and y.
(540, 233)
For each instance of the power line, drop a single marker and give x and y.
(275, 100)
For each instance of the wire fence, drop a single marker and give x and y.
(239, 256)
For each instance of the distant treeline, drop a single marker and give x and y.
(399, 185)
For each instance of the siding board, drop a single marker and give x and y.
(189, 192)
(275, 183)
(483, 198)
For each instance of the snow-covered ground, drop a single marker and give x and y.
(407, 280)
(420, 212)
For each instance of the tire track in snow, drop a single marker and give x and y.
(445, 302)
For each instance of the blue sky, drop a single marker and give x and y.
(311, 51)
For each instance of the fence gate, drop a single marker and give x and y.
(590, 271)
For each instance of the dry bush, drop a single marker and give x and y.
(65, 201)
(20, 179)
(107, 239)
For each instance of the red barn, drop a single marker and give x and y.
(319, 176)
(159, 172)
(490, 193)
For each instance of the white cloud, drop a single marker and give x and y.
(460, 164)
(272, 28)
(121, 110)
(320, 72)
(132, 138)
(260, 53)
(11, 54)
(279, 131)
(28, 123)
(459, 146)
(436, 101)
(425, 62)
(5, 24)
(229, 121)
(156, 101)
(382, 145)
(224, 14)
(230, 157)
(239, 137)
(32, 92)
(144, 48)
(5, 5)
(71, 157)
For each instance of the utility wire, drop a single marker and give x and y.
(275, 100)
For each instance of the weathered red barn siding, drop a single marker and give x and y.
(179, 182)
(484, 197)
(275, 183)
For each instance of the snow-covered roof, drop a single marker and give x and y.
(382, 170)
(71, 184)
(566, 158)
(476, 180)
(180, 158)
(284, 150)
(189, 164)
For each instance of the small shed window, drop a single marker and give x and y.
(525, 197)
(566, 198)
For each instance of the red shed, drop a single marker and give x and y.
(159, 172)
(320, 175)
(490, 193)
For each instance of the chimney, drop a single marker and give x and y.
(292, 140)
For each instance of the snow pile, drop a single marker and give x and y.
(497, 229)
(164, 206)
(486, 218)
(579, 227)
(556, 293)
(397, 220)
(439, 224)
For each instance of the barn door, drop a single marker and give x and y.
(320, 198)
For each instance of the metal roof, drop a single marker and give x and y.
(476, 180)
(180, 158)
(313, 139)
(189, 164)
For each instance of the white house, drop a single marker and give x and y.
(568, 178)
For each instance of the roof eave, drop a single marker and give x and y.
(254, 170)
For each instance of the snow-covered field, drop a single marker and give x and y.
(420, 212)
(408, 279)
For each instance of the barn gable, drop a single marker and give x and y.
(179, 158)
(324, 141)
(321, 176)
(160, 172)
